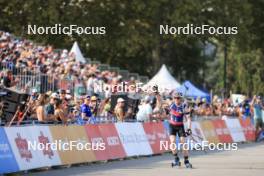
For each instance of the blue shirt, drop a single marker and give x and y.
(246, 111)
(86, 109)
(79, 120)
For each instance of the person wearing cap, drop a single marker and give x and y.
(257, 107)
(144, 113)
(50, 107)
(77, 116)
(178, 111)
(34, 94)
(119, 109)
(86, 113)
(94, 105)
(68, 95)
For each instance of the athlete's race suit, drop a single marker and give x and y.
(176, 125)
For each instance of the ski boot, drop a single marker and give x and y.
(187, 164)
(176, 162)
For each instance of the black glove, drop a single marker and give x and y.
(189, 132)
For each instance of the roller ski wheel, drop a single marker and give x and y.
(188, 165)
(175, 164)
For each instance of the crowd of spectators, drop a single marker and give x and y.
(65, 106)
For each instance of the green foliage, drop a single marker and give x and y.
(132, 39)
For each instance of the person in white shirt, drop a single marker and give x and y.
(90, 85)
(144, 113)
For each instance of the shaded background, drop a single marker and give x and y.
(132, 39)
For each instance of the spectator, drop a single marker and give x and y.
(40, 110)
(50, 107)
(145, 110)
(34, 95)
(91, 84)
(246, 109)
(119, 110)
(257, 107)
(86, 113)
(78, 118)
(64, 101)
(59, 113)
(105, 108)
(8, 79)
(94, 106)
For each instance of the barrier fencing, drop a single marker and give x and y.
(121, 140)
(42, 83)
(29, 78)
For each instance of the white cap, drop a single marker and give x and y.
(147, 99)
(34, 90)
(55, 95)
(68, 96)
(119, 100)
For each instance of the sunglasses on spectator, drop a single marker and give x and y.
(177, 97)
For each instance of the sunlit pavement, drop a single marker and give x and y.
(247, 160)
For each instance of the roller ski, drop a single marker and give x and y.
(187, 164)
(176, 163)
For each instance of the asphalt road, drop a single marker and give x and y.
(247, 160)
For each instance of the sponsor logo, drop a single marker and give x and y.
(45, 141)
(112, 141)
(22, 146)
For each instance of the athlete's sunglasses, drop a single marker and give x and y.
(177, 97)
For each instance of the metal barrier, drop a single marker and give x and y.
(97, 120)
(19, 70)
(104, 119)
(42, 83)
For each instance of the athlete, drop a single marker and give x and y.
(179, 111)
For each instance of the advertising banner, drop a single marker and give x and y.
(197, 136)
(236, 130)
(83, 149)
(156, 134)
(42, 140)
(26, 157)
(7, 159)
(248, 129)
(209, 132)
(133, 138)
(67, 138)
(222, 131)
(95, 136)
(113, 143)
